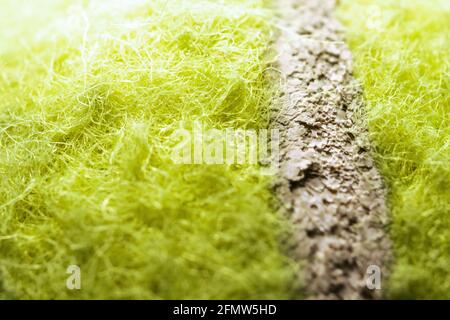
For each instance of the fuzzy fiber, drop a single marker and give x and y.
(401, 57)
(89, 93)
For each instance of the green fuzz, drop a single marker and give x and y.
(401, 57)
(89, 93)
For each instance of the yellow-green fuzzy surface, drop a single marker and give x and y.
(401, 51)
(89, 92)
